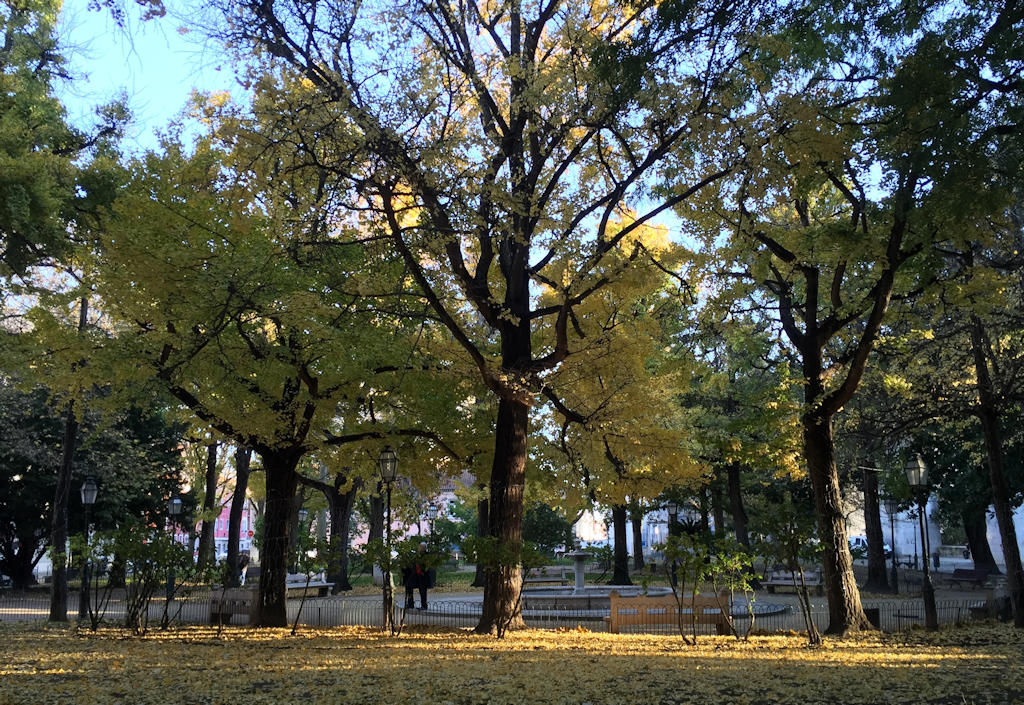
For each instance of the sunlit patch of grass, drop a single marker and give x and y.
(978, 664)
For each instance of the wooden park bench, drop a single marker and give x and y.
(974, 576)
(295, 586)
(663, 609)
(232, 601)
(791, 579)
(537, 577)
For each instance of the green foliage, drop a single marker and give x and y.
(47, 184)
(693, 561)
(546, 528)
(152, 558)
(791, 542)
(133, 455)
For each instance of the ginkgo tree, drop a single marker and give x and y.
(862, 158)
(215, 294)
(503, 145)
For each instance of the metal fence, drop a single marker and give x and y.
(890, 616)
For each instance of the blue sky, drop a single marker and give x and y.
(153, 62)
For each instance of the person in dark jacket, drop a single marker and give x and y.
(417, 575)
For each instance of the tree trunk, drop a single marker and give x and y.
(59, 529)
(878, 580)
(376, 528)
(717, 506)
(844, 607)
(59, 525)
(976, 527)
(987, 414)
(233, 570)
(341, 504)
(480, 577)
(293, 532)
(18, 565)
(637, 516)
(503, 580)
(620, 562)
(206, 545)
(739, 513)
(281, 482)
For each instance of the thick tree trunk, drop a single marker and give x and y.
(620, 562)
(206, 544)
(739, 513)
(637, 522)
(987, 414)
(878, 580)
(480, 577)
(976, 527)
(243, 458)
(503, 581)
(281, 483)
(845, 611)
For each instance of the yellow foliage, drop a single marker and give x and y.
(358, 665)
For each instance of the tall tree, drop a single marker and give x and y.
(501, 148)
(211, 265)
(825, 248)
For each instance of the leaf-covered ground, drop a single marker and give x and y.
(979, 664)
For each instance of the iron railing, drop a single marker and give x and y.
(891, 615)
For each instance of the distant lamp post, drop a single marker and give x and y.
(431, 515)
(88, 493)
(891, 507)
(174, 507)
(388, 464)
(917, 478)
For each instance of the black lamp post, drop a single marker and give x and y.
(917, 478)
(431, 515)
(388, 463)
(173, 512)
(88, 492)
(891, 506)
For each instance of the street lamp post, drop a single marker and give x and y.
(891, 506)
(431, 515)
(88, 492)
(388, 463)
(917, 477)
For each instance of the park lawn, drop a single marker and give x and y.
(52, 664)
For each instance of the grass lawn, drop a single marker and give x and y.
(49, 664)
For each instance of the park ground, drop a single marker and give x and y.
(980, 663)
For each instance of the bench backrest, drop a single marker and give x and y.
(969, 573)
(664, 609)
(788, 577)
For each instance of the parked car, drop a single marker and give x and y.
(5, 582)
(859, 547)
